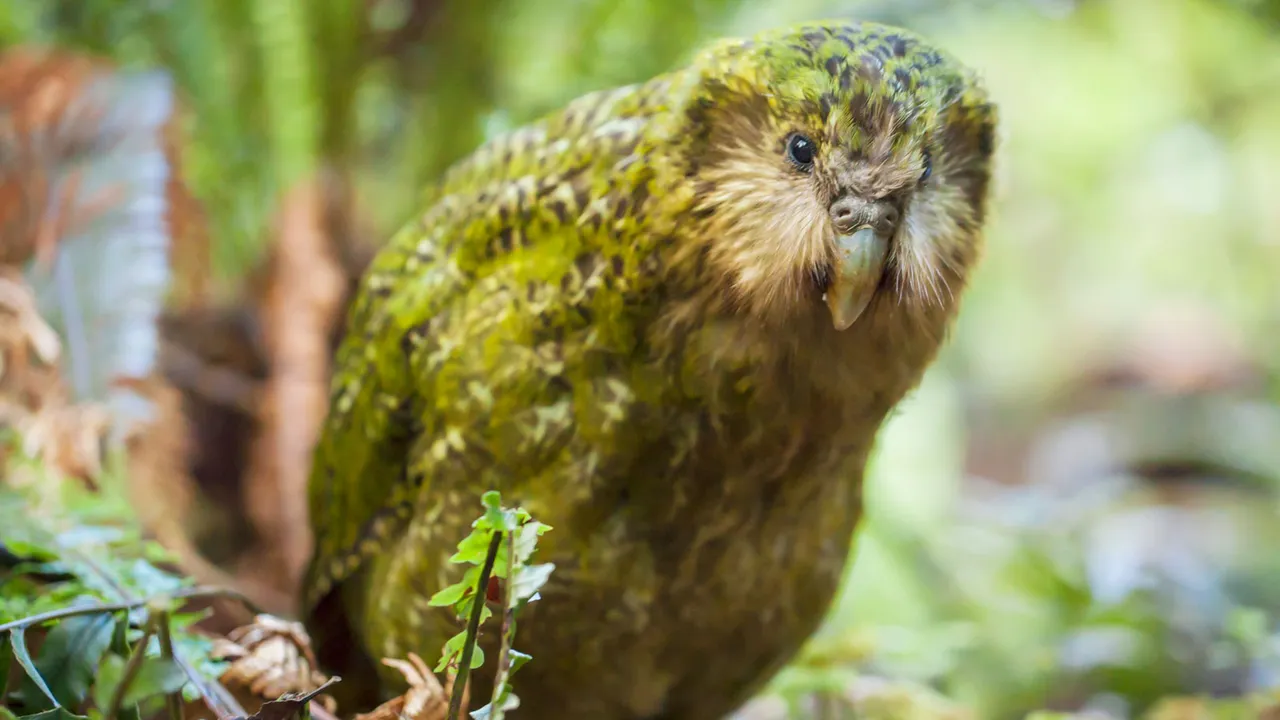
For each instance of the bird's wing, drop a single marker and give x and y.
(470, 325)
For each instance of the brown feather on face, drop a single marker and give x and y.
(769, 226)
(769, 223)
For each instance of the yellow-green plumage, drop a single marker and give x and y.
(615, 317)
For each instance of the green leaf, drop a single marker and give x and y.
(183, 620)
(471, 576)
(492, 500)
(530, 579)
(157, 553)
(518, 659)
(58, 713)
(527, 540)
(156, 676)
(48, 569)
(472, 549)
(452, 649)
(149, 580)
(30, 550)
(506, 699)
(449, 595)
(19, 642)
(195, 649)
(70, 653)
(1248, 625)
(494, 518)
(110, 672)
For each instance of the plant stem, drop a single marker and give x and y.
(508, 635)
(215, 696)
(174, 699)
(473, 627)
(26, 622)
(189, 594)
(130, 670)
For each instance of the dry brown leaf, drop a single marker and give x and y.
(292, 706)
(270, 657)
(38, 83)
(68, 438)
(426, 698)
(40, 124)
(31, 329)
(46, 127)
(42, 129)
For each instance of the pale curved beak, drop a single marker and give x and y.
(860, 259)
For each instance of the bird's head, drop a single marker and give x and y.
(838, 163)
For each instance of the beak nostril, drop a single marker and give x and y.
(844, 213)
(890, 218)
(848, 213)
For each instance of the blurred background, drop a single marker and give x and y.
(1076, 512)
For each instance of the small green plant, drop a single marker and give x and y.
(500, 544)
(91, 617)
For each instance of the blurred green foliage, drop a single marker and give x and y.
(1138, 169)
(77, 574)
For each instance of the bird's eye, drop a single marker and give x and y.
(800, 151)
(928, 166)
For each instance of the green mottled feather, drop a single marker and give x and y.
(551, 327)
(465, 318)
